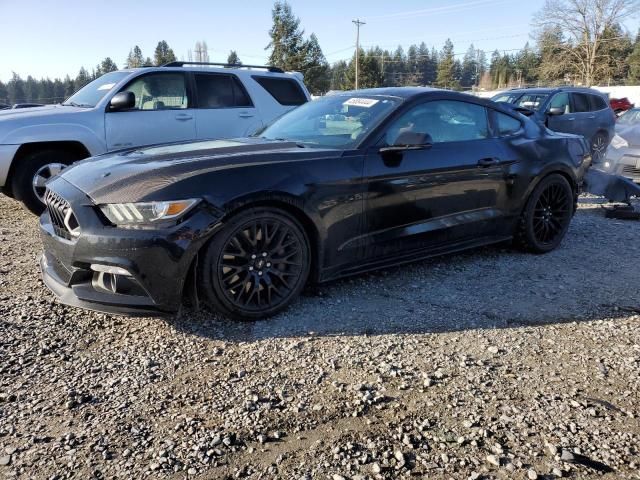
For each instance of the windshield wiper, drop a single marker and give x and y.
(79, 105)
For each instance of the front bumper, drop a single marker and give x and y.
(158, 261)
(7, 152)
(624, 162)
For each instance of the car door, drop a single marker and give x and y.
(163, 112)
(566, 122)
(585, 124)
(224, 108)
(450, 191)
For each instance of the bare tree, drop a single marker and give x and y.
(584, 23)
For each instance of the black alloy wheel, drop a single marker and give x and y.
(257, 265)
(547, 215)
(598, 147)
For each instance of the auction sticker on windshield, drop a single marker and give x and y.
(361, 102)
(106, 86)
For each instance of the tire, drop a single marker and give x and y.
(41, 165)
(256, 266)
(599, 147)
(546, 216)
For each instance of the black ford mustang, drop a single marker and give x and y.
(344, 184)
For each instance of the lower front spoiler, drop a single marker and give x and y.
(84, 296)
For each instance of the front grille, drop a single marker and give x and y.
(632, 172)
(64, 222)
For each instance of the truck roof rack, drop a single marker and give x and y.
(225, 65)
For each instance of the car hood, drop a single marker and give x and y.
(136, 174)
(631, 133)
(37, 112)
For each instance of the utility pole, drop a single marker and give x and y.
(357, 23)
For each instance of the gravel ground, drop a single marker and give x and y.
(488, 364)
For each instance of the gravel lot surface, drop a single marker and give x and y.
(488, 364)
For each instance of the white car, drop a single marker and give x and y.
(180, 101)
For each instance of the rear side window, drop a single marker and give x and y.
(580, 102)
(598, 103)
(220, 91)
(286, 91)
(507, 125)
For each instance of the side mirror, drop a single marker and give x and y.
(555, 111)
(410, 141)
(122, 101)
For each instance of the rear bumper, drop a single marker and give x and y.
(7, 152)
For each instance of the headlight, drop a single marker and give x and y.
(146, 212)
(619, 142)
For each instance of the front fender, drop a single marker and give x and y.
(58, 132)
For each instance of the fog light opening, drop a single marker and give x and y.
(110, 269)
(107, 282)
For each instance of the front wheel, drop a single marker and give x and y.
(546, 217)
(33, 172)
(598, 147)
(256, 266)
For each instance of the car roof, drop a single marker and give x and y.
(547, 90)
(400, 92)
(239, 69)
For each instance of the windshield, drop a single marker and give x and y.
(89, 95)
(339, 121)
(630, 117)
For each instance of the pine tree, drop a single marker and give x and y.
(447, 67)
(233, 58)
(163, 54)
(339, 79)
(4, 94)
(82, 79)
(135, 58)
(69, 86)
(470, 68)
(287, 39)
(315, 67)
(633, 60)
(31, 89)
(15, 89)
(107, 65)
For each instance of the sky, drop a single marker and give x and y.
(52, 39)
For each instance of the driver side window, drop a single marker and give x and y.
(561, 100)
(159, 91)
(442, 121)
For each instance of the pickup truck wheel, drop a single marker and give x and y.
(33, 172)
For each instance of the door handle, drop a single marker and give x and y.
(246, 115)
(488, 162)
(184, 116)
(591, 117)
(571, 119)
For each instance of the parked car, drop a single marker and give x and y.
(620, 105)
(623, 155)
(581, 111)
(4, 106)
(627, 119)
(128, 108)
(344, 184)
(27, 105)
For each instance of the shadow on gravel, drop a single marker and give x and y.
(591, 276)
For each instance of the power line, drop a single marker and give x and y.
(455, 8)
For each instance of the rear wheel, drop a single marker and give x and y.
(546, 216)
(256, 266)
(32, 172)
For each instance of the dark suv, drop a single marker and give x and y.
(582, 111)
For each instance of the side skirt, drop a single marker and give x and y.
(411, 257)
